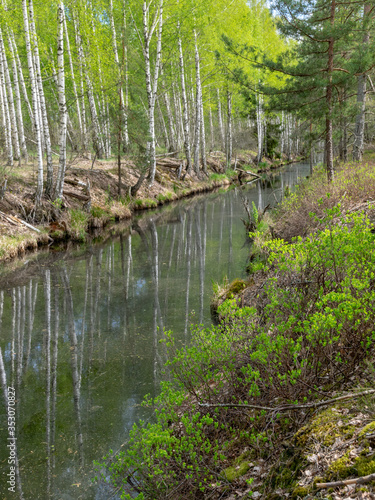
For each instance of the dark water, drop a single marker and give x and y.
(80, 333)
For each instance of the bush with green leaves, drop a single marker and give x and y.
(309, 330)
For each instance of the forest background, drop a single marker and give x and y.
(144, 79)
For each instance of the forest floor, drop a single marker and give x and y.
(75, 218)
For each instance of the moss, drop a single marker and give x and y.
(236, 471)
(300, 492)
(235, 287)
(325, 428)
(368, 429)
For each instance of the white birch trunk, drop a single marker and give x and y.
(6, 117)
(185, 115)
(203, 135)
(197, 127)
(43, 109)
(25, 95)
(229, 129)
(68, 51)
(97, 136)
(17, 94)
(117, 61)
(30, 63)
(62, 103)
(11, 107)
(260, 127)
(152, 82)
(220, 120)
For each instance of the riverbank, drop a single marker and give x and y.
(276, 401)
(83, 211)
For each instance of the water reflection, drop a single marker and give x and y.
(80, 333)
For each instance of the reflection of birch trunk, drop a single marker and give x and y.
(221, 227)
(188, 270)
(73, 361)
(13, 345)
(47, 345)
(55, 344)
(31, 300)
(260, 126)
(21, 331)
(4, 386)
(201, 264)
(230, 259)
(81, 349)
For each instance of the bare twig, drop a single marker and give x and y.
(357, 480)
(289, 407)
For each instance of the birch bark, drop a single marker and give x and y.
(62, 103)
(185, 114)
(75, 92)
(152, 80)
(197, 127)
(30, 63)
(220, 120)
(6, 116)
(17, 94)
(43, 109)
(11, 107)
(229, 129)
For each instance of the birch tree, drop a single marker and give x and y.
(62, 102)
(33, 84)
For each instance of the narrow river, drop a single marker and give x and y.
(80, 333)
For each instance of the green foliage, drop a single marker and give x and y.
(311, 326)
(98, 212)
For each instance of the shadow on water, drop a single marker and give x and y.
(81, 330)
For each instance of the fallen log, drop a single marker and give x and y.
(72, 194)
(248, 173)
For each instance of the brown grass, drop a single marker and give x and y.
(353, 187)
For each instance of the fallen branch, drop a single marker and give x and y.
(357, 480)
(248, 173)
(289, 407)
(15, 220)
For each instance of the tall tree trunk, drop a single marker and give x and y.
(11, 107)
(62, 103)
(15, 55)
(117, 61)
(329, 133)
(75, 92)
(152, 80)
(17, 94)
(220, 120)
(5, 115)
(185, 114)
(43, 109)
(229, 129)
(34, 91)
(361, 101)
(198, 118)
(260, 126)
(98, 144)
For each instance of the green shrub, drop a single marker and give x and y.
(311, 327)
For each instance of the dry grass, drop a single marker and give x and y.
(353, 187)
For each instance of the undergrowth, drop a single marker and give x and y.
(309, 331)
